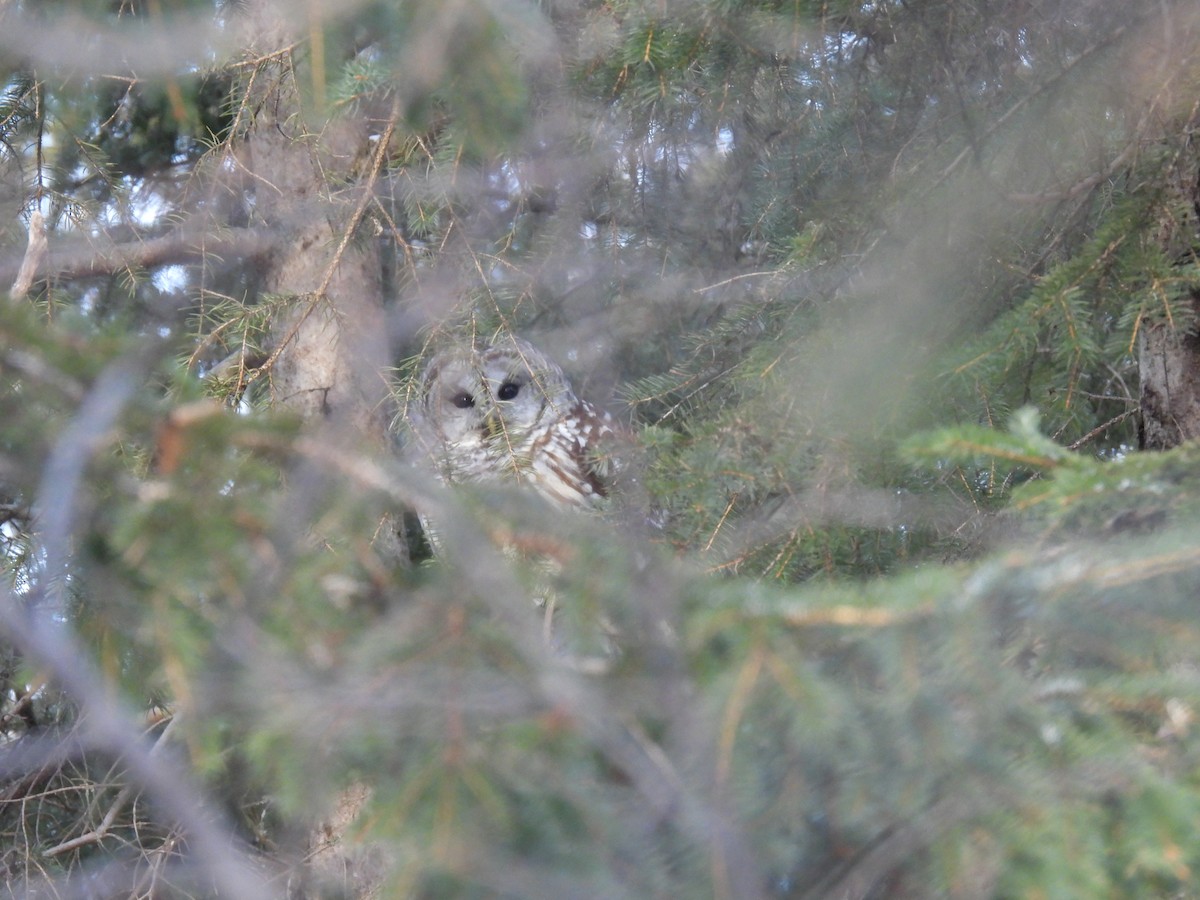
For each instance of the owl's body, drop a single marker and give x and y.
(507, 413)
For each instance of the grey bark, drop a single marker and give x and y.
(1169, 368)
(329, 350)
(1169, 351)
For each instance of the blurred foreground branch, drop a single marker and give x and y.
(79, 258)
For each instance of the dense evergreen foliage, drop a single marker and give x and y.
(891, 603)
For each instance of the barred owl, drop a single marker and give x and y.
(506, 412)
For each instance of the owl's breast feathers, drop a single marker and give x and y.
(568, 462)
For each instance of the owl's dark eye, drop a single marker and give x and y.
(508, 390)
(463, 400)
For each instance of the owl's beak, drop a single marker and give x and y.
(493, 425)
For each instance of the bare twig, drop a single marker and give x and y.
(100, 832)
(75, 259)
(1100, 429)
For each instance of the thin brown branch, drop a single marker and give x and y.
(1100, 429)
(100, 832)
(72, 259)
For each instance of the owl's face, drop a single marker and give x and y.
(484, 408)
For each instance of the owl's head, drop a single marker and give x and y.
(481, 405)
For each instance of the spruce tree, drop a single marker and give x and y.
(889, 298)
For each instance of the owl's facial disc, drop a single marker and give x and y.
(457, 401)
(505, 412)
(508, 412)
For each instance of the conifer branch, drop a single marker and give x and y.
(75, 258)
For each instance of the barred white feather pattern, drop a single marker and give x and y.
(507, 412)
(564, 457)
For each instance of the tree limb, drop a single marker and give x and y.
(76, 258)
(35, 256)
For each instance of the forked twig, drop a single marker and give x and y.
(100, 832)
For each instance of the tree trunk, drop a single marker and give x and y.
(328, 348)
(1169, 351)
(1169, 369)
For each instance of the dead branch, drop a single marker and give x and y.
(100, 832)
(76, 258)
